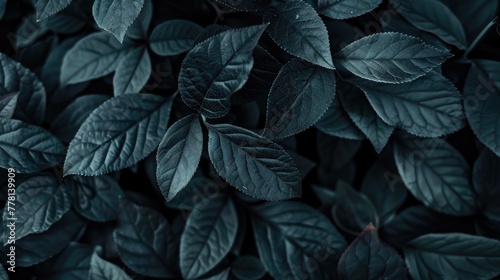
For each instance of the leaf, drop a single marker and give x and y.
(139, 29)
(197, 189)
(96, 198)
(141, 238)
(31, 100)
(436, 174)
(178, 155)
(368, 258)
(247, 268)
(3, 7)
(306, 237)
(486, 179)
(216, 68)
(115, 16)
(174, 37)
(101, 269)
(435, 17)
(27, 148)
(72, 263)
(252, 164)
(300, 95)
(8, 105)
(390, 57)
(94, 56)
(36, 248)
(430, 106)
(296, 27)
(118, 134)
(481, 101)
(69, 21)
(66, 125)
(453, 255)
(335, 152)
(366, 119)
(344, 9)
(40, 202)
(46, 8)
(133, 72)
(247, 5)
(209, 234)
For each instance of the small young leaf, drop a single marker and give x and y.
(118, 134)
(368, 258)
(101, 269)
(344, 9)
(435, 17)
(209, 234)
(8, 105)
(454, 256)
(46, 8)
(34, 147)
(178, 155)
(174, 37)
(430, 106)
(300, 233)
(436, 174)
(252, 164)
(300, 95)
(133, 72)
(142, 240)
(115, 16)
(216, 68)
(246, 5)
(390, 57)
(297, 28)
(486, 180)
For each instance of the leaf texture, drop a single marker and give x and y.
(115, 16)
(174, 37)
(46, 8)
(133, 72)
(344, 9)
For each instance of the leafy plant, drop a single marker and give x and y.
(155, 139)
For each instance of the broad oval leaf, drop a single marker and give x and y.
(486, 180)
(369, 258)
(246, 5)
(216, 68)
(34, 147)
(252, 164)
(118, 134)
(8, 105)
(101, 269)
(390, 57)
(435, 17)
(115, 16)
(454, 256)
(210, 232)
(344, 9)
(174, 37)
(72, 263)
(300, 95)
(46, 8)
(142, 240)
(133, 72)
(40, 202)
(482, 100)
(92, 57)
(306, 237)
(297, 28)
(436, 174)
(178, 155)
(430, 106)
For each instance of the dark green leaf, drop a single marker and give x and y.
(115, 16)
(209, 234)
(300, 95)
(133, 72)
(454, 256)
(3, 7)
(308, 239)
(430, 106)
(252, 164)
(197, 189)
(101, 269)
(139, 30)
(174, 37)
(486, 178)
(343, 9)
(178, 155)
(297, 28)
(28, 148)
(435, 17)
(72, 263)
(118, 134)
(246, 5)
(142, 240)
(46, 8)
(8, 105)
(436, 174)
(40, 202)
(368, 258)
(390, 57)
(216, 68)
(248, 268)
(69, 21)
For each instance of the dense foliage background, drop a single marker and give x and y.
(250, 139)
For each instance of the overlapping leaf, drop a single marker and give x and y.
(133, 72)
(174, 37)
(116, 16)
(46, 8)
(344, 9)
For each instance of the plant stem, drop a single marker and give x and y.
(479, 37)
